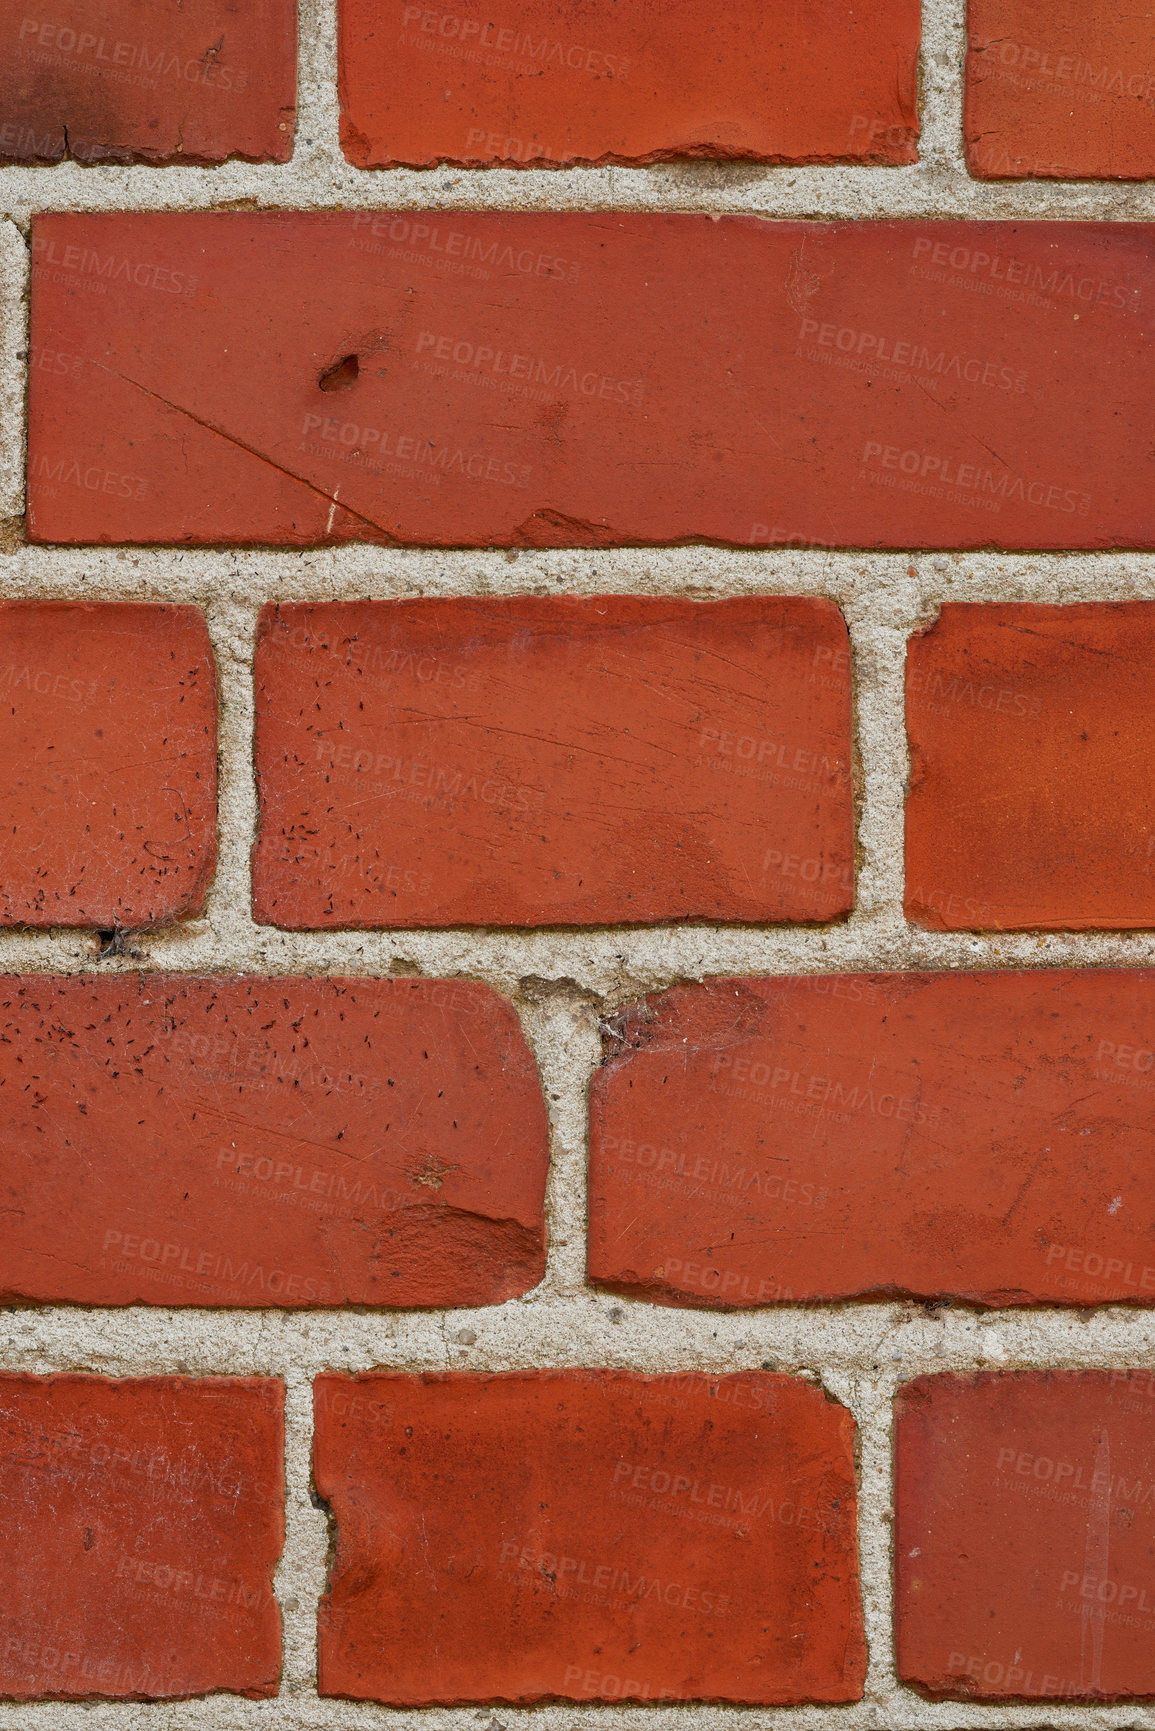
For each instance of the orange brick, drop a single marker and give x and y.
(325, 1142)
(1031, 805)
(108, 716)
(137, 81)
(1060, 89)
(829, 1137)
(588, 1536)
(141, 1523)
(1024, 1532)
(553, 762)
(558, 81)
(450, 379)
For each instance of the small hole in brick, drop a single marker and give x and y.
(340, 375)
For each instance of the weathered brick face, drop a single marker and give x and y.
(577, 862)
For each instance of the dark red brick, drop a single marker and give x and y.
(563, 81)
(1025, 1535)
(141, 1523)
(134, 81)
(1031, 804)
(325, 1142)
(553, 762)
(972, 1136)
(1060, 89)
(588, 1536)
(108, 717)
(445, 379)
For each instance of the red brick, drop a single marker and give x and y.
(618, 379)
(133, 81)
(325, 1142)
(108, 716)
(971, 1136)
(436, 763)
(1031, 734)
(588, 1536)
(1060, 89)
(1025, 1534)
(141, 1523)
(563, 81)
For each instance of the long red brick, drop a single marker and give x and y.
(446, 379)
(108, 717)
(132, 81)
(1024, 1532)
(1031, 734)
(980, 1137)
(325, 1142)
(1060, 89)
(142, 1520)
(553, 762)
(559, 81)
(588, 1535)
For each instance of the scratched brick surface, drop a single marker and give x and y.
(588, 1535)
(1025, 1535)
(147, 81)
(1057, 706)
(142, 1522)
(578, 380)
(553, 762)
(971, 1136)
(1060, 89)
(108, 771)
(571, 80)
(325, 1142)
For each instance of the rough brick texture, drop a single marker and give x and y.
(108, 716)
(1060, 90)
(1024, 1535)
(589, 380)
(1057, 706)
(589, 1536)
(142, 1521)
(325, 1142)
(973, 1136)
(575, 81)
(549, 762)
(138, 81)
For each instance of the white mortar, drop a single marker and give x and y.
(860, 1352)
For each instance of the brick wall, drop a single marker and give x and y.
(746, 1283)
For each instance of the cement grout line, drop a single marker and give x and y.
(560, 981)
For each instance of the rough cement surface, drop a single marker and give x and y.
(561, 982)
